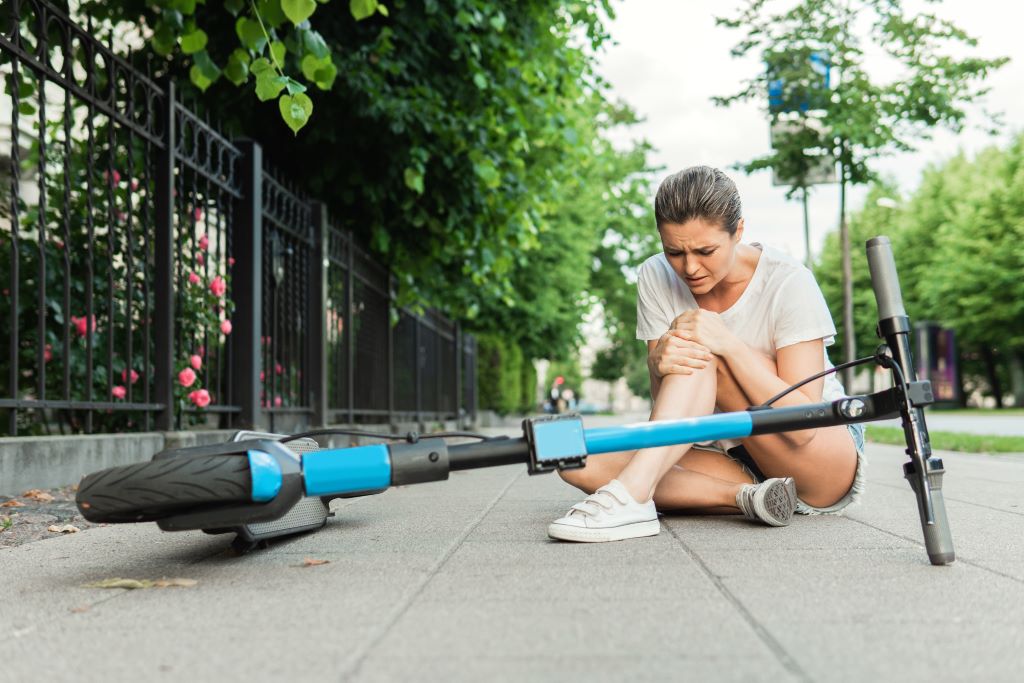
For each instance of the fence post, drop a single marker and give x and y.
(316, 335)
(350, 354)
(163, 252)
(418, 375)
(460, 352)
(391, 351)
(247, 287)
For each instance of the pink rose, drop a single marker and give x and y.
(135, 184)
(278, 369)
(204, 242)
(121, 216)
(59, 244)
(119, 391)
(47, 353)
(193, 278)
(202, 350)
(231, 260)
(218, 286)
(277, 401)
(107, 175)
(82, 325)
(196, 362)
(198, 214)
(263, 376)
(200, 397)
(124, 376)
(186, 377)
(200, 259)
(225, 327)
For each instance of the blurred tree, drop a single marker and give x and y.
(465, 142)
(861, 116)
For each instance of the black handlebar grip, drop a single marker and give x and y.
(884, 279)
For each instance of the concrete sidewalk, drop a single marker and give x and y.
(457, 581)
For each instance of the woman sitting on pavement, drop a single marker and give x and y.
(728, 325)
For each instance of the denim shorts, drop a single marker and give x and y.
(741, 456)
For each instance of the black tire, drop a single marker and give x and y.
(159, 488)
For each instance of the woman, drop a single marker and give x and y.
(728, 325)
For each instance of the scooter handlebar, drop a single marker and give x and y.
(884, 279)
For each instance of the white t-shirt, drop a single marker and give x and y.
(782, 305)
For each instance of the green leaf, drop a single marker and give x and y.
(237, 68)
(269, 85)
(183, 6)
(164, 39)
(295, 110)
(498, 22)
(324, 76)
(480, 80)
(414, 180)
(250, 33)
(271, 12)
(203, 61)
(298, 10)
(294, 87)
(361, 9)
(382, 10)
(259, 65)
(234, 6)
(278, 51)
(314, 43)
(309, 66)
(486, 171)
(192, 43)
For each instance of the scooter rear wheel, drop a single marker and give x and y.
(158, 488)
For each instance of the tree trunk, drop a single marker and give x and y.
(1017, 377)
(849, 334)
(993, 375)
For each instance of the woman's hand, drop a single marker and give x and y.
(676, 355)
(707, 329)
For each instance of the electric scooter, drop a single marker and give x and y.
(260, 486)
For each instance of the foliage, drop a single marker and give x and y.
(499, 374)
(863, 116)
(75, 242)
(957, 242)
(872, 220)
(528, 386)
(273, 44)
(466, 144)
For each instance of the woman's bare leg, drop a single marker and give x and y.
(823, 468)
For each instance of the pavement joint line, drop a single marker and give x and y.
(404, 605)
(773, 645)
(959, 558)
(956, 500)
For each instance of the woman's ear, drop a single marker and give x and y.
(739, 231)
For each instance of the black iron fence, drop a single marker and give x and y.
(158, 275)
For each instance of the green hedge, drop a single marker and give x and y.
(528, 387)
(499, 374)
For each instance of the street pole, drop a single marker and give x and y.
(807, 232)
(849, 338)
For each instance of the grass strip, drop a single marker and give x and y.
(951, 441)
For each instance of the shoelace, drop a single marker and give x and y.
(595, 500)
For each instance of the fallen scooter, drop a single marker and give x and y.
(260, 486)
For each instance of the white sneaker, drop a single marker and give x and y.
(608, 514)
(773, 501)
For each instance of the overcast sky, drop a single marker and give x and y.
(669, 59)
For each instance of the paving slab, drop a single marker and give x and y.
(457, 581)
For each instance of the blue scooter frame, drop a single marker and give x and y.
(279, 479)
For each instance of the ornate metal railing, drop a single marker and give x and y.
(156, 274)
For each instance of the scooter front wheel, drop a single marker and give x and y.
(158, 488)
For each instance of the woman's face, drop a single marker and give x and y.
(700, 252)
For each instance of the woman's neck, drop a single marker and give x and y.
(731, 287)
